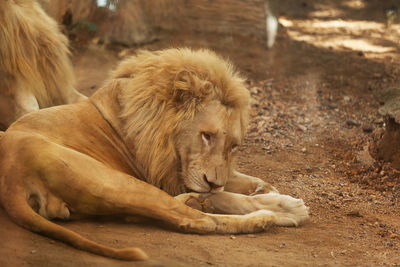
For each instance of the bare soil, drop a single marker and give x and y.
(314, 122)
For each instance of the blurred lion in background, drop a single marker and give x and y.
(35, 69)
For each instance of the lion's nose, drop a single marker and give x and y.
(212, 185)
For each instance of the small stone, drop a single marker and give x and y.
(379, 121)
(304, 150)
(255, 90)
(367, 128)
(283, 245)
(352, 123)
(233, 237)
(33, 251)
(354, 213)
(332, 105)
(302, 128)
(346, 98)
(393, 235)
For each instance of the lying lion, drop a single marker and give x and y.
(35, 69)
(166, 124)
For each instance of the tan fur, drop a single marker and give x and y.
(165, 124)
(35, 68)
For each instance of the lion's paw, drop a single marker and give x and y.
(253, 222)
(258, 221)
(196, 201)
(289, 211)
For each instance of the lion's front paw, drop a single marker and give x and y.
(294, 212)
(259, 220)
(289, 211)
(253, 222)
(196, 201)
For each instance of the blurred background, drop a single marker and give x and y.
(244, 31)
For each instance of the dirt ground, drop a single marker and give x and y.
(314, 120)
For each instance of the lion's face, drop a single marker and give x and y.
(207, 145)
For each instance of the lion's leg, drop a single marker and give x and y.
(90, 187)
(248, 185)
(288, 211)
(56, 181)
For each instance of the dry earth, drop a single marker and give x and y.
(314, 116)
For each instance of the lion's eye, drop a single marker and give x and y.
(206, 138)
(234, 148)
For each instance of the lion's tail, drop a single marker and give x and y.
(19, 210)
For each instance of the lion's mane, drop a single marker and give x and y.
(164, 90)
(34, 54)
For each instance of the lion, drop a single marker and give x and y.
(158, 140)
(35, 68)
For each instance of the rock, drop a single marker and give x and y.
(390, 98)
(388, 148)
(364, 157)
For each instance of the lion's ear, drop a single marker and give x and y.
(184, 86)
(188, 86)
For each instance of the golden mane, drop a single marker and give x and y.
(164, 91)
(34, 54)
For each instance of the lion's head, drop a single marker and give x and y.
(184, 114)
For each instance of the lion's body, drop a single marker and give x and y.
(35, 69)
(154, 131)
